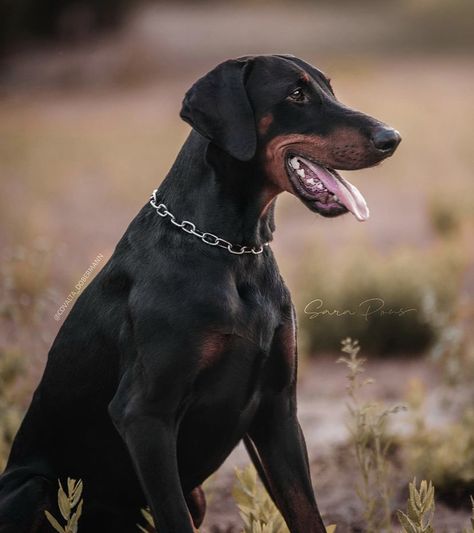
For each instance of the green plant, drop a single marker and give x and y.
(70, 505)
(257, 510)
(371, 443)
(420, 509)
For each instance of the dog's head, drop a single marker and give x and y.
(281, 113)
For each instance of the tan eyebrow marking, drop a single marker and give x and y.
(304, 76)
(264, 123)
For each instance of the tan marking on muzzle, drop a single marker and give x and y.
(345, 148)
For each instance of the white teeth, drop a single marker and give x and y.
(335, 198)
(320, 186)
(295, 163)
(300, 173)
(310, 181)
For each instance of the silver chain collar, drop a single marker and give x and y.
(206, 238)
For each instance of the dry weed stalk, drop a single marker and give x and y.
(257, 510)
(371, 442)
(67, 503)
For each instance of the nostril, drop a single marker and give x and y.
(386, 139)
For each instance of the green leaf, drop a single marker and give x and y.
(54, 522)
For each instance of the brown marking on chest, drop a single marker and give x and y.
(264, 123)
(212, 347)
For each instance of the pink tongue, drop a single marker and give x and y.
(347, 193)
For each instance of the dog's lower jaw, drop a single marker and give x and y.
(324, 190)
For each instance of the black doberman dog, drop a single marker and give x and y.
(185, 342)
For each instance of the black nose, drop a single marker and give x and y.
(386, 139)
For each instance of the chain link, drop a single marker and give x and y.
(207, 238)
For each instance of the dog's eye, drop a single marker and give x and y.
(297, 95)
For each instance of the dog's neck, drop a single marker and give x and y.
(218, 194)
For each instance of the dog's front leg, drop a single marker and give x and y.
(275, 441)
(150, 436)
(277, 448)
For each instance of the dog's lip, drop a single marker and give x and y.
(345, 196)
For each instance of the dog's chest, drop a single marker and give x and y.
(236, 375)
(246, 310)
(235, 316)
(237, 354)
(226, 393)
(242, 356)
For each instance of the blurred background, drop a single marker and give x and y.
(90, 93)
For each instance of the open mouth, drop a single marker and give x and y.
(324, 190)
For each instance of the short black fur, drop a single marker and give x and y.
(178, 350)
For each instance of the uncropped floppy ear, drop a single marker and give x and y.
(217, 107)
